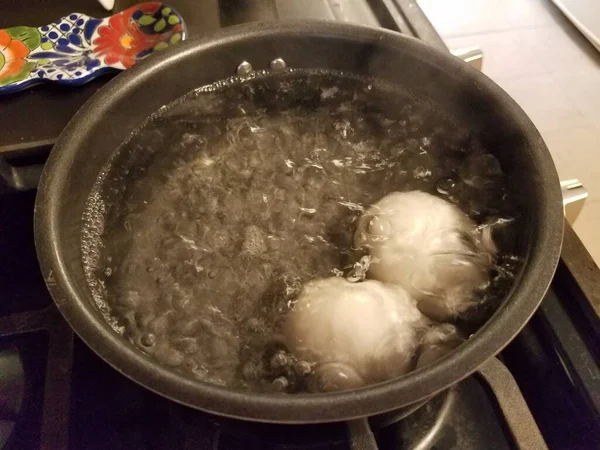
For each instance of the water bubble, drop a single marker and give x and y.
(167, 355)
(189, 327)
(302, 368)
(446, 186)
(252, 371)
(220, 349)
(421, 172)
(359, 269)
(148, 339)
(187, 345)
(280, 384)
(379, 226)
(279, 360)
(253, 324)
(344, 128)
(481, 171)
(254, 241)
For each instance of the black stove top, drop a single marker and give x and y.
(55, 393)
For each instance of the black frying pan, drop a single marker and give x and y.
(110, 116)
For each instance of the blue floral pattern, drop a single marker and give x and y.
(72, 50)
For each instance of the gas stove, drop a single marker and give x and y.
(55, 393)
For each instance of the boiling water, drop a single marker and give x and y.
(202, 230)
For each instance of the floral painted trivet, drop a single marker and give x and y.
(78, 48)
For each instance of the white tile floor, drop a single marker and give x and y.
(550, 69)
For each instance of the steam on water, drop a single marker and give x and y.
(202, 230)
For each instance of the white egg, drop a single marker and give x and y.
(354, 333)
(428, 246)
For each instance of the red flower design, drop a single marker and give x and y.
(12, 54)
(122, 39)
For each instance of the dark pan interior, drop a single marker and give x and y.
(110, 116)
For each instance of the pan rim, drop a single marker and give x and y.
(371, 400)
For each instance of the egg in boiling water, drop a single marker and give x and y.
(354, 333)
(429, 247)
